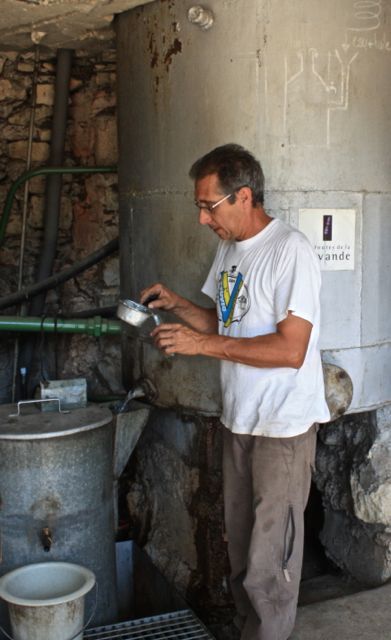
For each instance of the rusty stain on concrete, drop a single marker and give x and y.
(175, 48)
(45, 507)
(162, 44)
(153, 50)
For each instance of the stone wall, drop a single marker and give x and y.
(88, 217)
(353, 475)
(173, 492)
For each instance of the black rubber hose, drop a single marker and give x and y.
(103, 312)
(59, 278)
(52, 196)
(54, 181)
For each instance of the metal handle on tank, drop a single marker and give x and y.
(16, 415)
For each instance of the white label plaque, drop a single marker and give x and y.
(332, 235)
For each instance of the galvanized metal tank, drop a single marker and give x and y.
(303, 85)
(56, 488)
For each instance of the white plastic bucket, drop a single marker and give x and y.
(46, 600)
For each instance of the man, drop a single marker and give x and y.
(264, 327)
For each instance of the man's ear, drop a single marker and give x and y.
(245, 196)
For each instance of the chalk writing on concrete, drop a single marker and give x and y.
(342, 104)
(367, 15)
(379, 43)
(312, 94)
(364, 30)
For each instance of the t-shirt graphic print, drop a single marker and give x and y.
(233, 298)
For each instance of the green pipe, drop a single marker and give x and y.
(38, 172)
(96, 326)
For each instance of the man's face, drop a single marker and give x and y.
(225, 219)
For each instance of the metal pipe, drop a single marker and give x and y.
(22, 311)
(9, 300)
(39, 172)
(96, 326)
(28, 167)
(52, 194)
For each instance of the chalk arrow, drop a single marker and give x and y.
(345, 45)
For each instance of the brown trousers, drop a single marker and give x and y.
(266, 487)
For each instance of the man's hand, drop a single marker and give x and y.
(177, 338)
(199, 318)
(164, 298)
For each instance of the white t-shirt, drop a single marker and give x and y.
(254, 284)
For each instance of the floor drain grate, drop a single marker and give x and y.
(182, 625)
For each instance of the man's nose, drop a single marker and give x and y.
(204, 216)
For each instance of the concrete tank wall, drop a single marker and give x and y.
(303, 85)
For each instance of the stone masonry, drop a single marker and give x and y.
(353, 474)
(88, 217)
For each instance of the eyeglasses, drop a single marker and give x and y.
(209, 206)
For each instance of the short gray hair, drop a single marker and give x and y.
(235, 167)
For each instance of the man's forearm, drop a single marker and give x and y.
(271, 350)
(262, 351)
(287, 347)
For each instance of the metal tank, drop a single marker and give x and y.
(56, 487)
(303, 85)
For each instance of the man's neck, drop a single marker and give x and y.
(259, 220)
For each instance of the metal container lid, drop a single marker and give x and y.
(33, 424)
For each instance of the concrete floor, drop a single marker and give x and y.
(361, 616)
(332, 608)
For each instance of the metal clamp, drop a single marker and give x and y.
(16, 415)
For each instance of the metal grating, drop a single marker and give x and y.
(182, 625)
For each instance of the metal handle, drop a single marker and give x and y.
(16, 415)
(153, 312)
(156, 318)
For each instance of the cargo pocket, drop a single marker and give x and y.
(289, 541)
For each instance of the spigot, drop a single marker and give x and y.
(143, 388)
(46, 539)
(148, 388)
